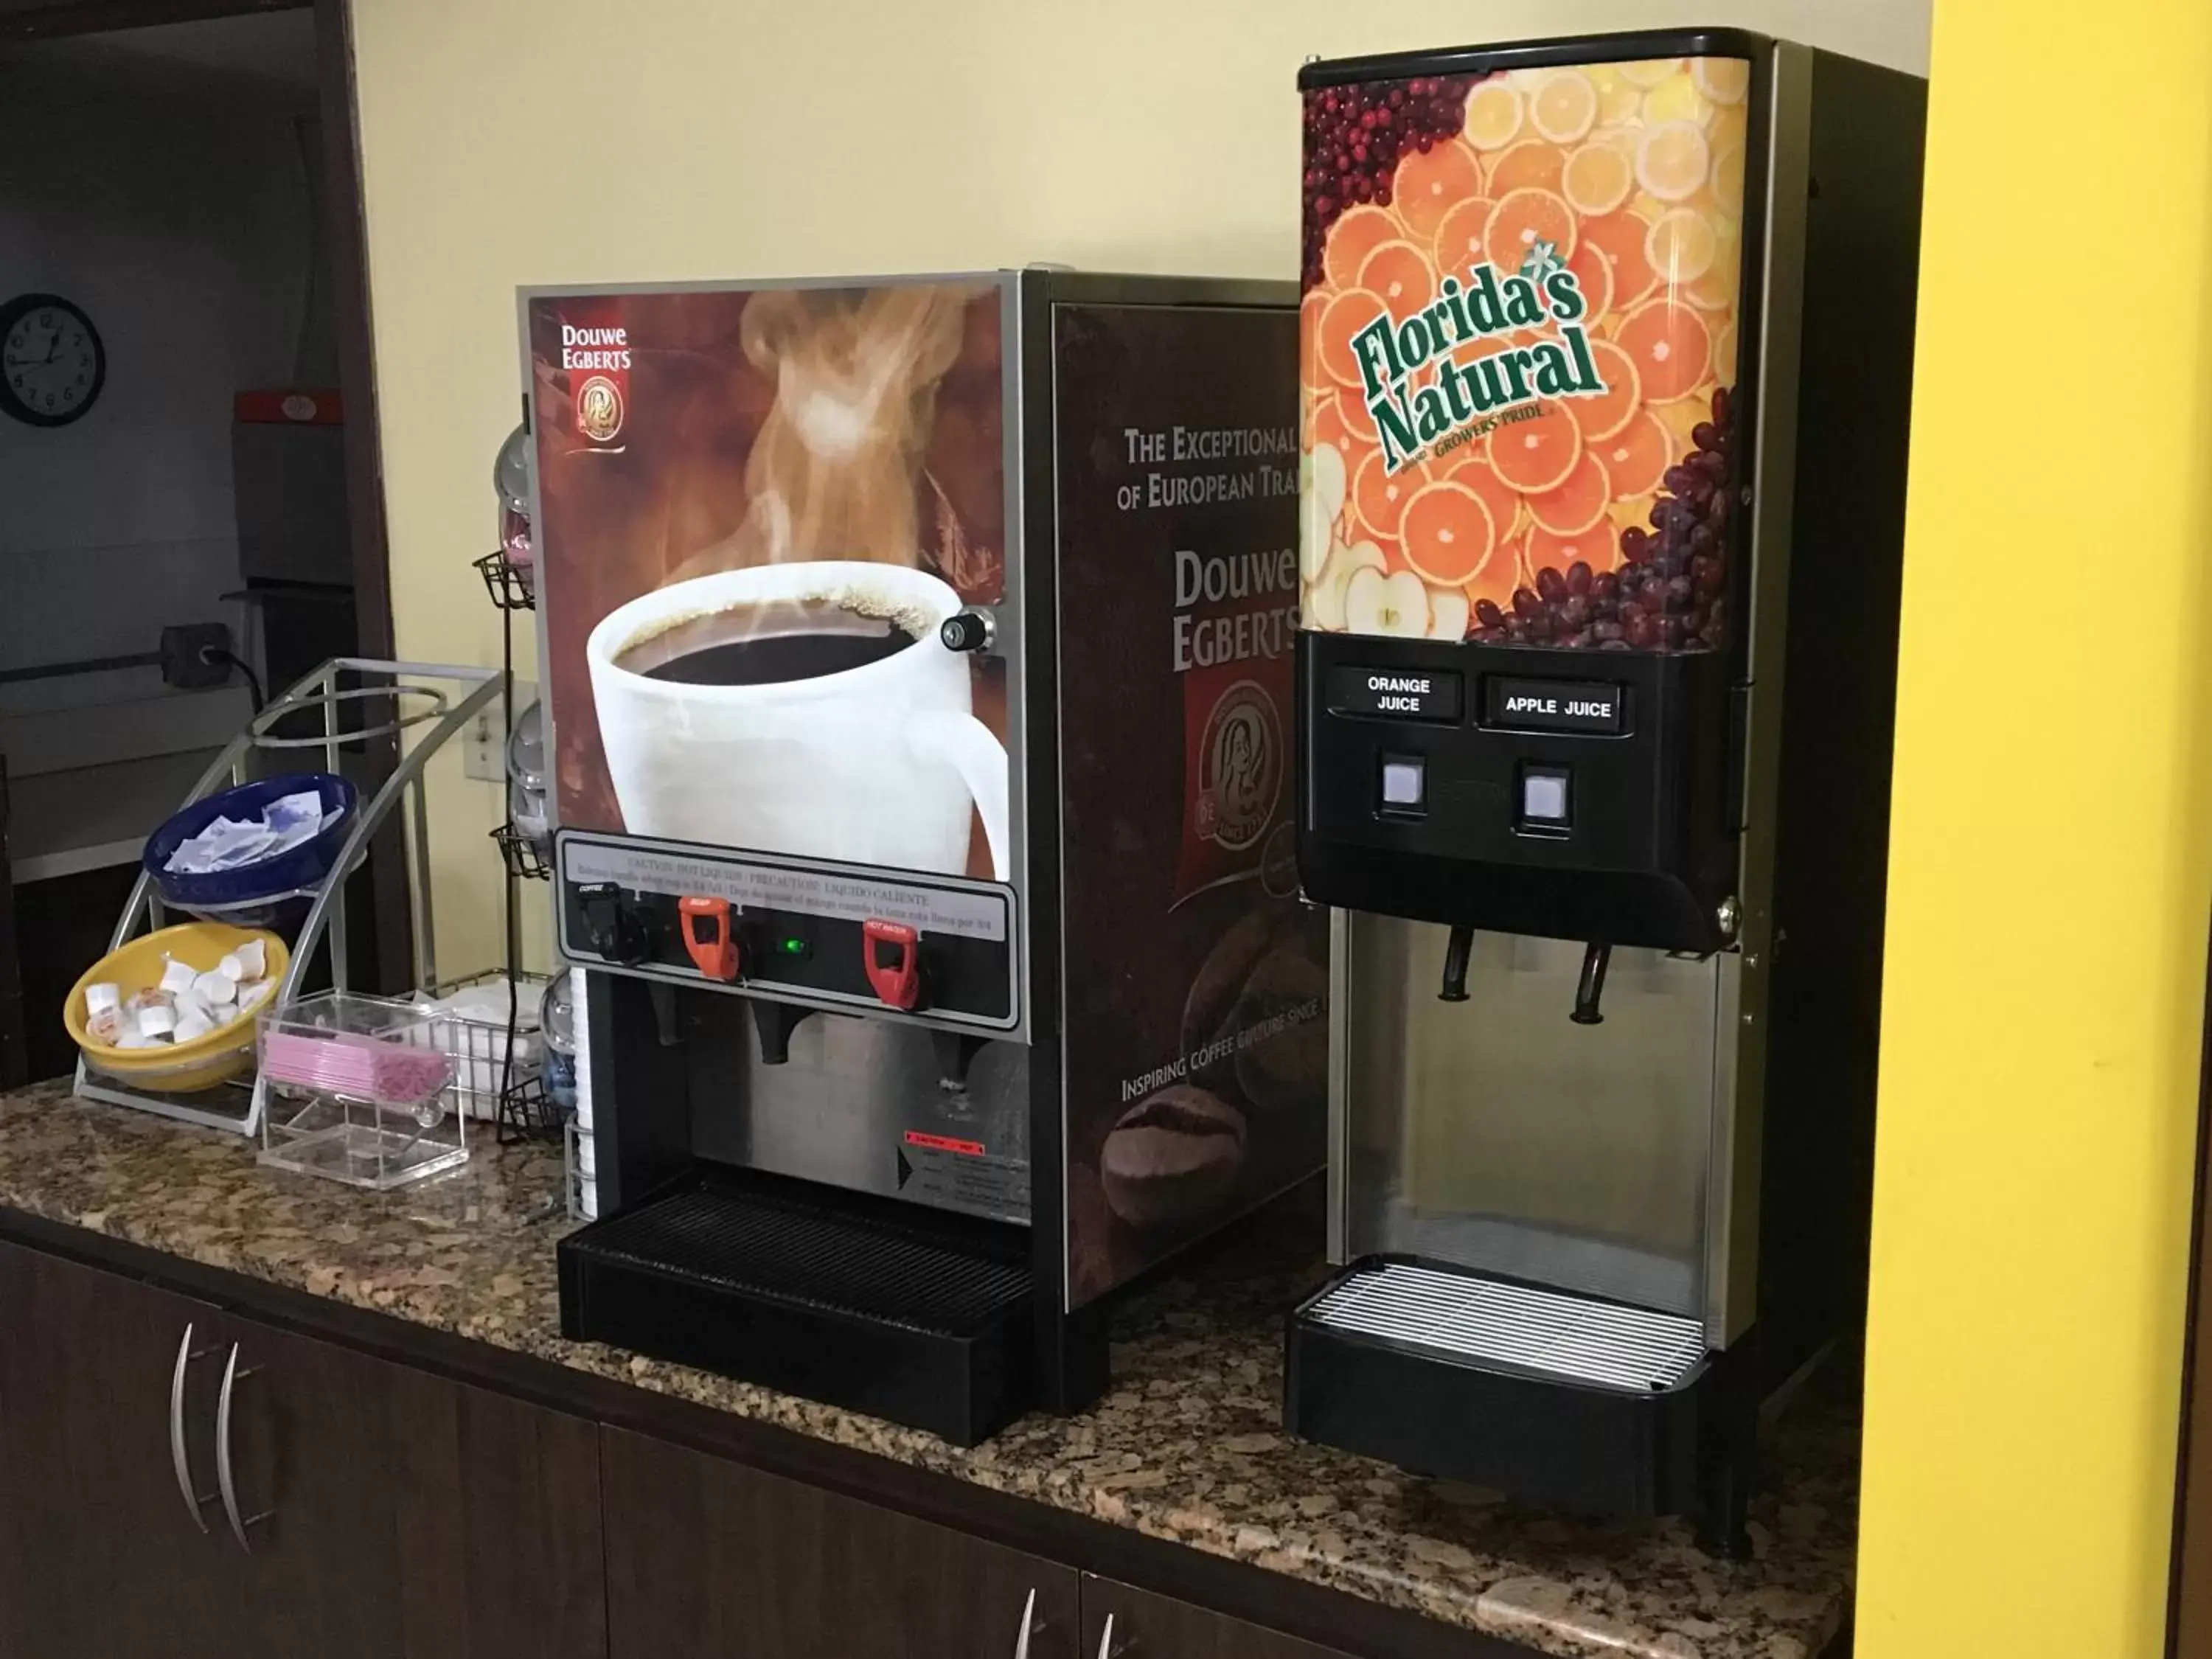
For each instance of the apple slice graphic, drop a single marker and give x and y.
(1397, 606)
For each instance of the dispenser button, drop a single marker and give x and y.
(891, 951)
(708, 938)
(1405, 783)
(1544, 797)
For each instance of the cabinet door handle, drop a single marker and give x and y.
(181, 1459)
(1029, 1618)
(1106, 1648)
(225, 1479)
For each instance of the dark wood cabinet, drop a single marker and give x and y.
(389, 1511)
(387, 1514)
(402, 1514)
(714, 1560)
(1120, 1622)
(101, 1555)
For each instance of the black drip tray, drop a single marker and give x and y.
(886, 1308)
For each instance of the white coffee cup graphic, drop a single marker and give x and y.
(876, 764)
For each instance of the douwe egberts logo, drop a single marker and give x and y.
(599, 409)
(1240, 768)
(1475, 395)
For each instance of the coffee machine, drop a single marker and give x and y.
(1607, 354)
(917, 655)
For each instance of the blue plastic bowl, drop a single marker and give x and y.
(233, 894)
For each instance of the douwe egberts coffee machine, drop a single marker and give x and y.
(918, 658)
(1607, 354)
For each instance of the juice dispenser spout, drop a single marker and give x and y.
(1591, 986)
(1455, 949)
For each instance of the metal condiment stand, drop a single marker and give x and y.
(432, 701)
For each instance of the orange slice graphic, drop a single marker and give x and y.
(1649, 71)
(1531, 164)
(1429, 185)
(1469, 468)
(1637, 457)
(1352, 238)
(1620, 237)
(1680, 247)
(1459, 235)
(1493, 114)
(1725, 354)
(1520, 220)
(1446, 534)
(1603, 415)
(1358, 425)
(1535, 455)
(1598, 547)
(1672, 347)
(1341, 319)
(1724, 80)
(1594, 274)
(1325, 424)
(1578, 504)
(1498, 579)
(1312, 377)
(1565, 107)
(1672, 160)
(1399, 272)
(1380, 497)
(1597, 178)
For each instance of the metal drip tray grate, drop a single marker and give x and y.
(1483, 1318)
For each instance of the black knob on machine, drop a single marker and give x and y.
(970, 629)
(615, 927)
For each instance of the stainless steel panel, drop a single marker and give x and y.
(839, 1111)
(1739, 1125)
(1498, 1136)
(1465, 1317)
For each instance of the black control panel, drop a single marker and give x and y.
(829, 936)
(1584, 795)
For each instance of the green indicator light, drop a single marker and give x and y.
(792, 947)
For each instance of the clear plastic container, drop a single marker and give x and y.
(361, 1090)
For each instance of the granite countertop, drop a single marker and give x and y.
(1188, 1446)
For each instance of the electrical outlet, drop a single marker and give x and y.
(483, 744)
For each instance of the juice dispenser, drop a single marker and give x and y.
(1606, 358)
(917, 655)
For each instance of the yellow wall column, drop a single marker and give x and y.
(2050, 860)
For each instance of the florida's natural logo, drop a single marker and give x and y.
(1474, 395)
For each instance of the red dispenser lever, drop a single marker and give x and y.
(891, 952)
(708, 937)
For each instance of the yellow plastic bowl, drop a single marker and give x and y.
(214, 1057)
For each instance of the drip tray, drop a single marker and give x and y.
(902, 1312)
(1546, 1396)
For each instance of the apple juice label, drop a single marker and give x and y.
(1518, 350)
(1195, 1031)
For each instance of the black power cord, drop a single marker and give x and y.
(219, 656)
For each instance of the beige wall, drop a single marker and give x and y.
(576, 141)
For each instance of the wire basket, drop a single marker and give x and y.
(526, 1112)
(482, 1070)
(525, 858)
(508, 583)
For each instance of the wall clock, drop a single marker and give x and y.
(52, 362)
